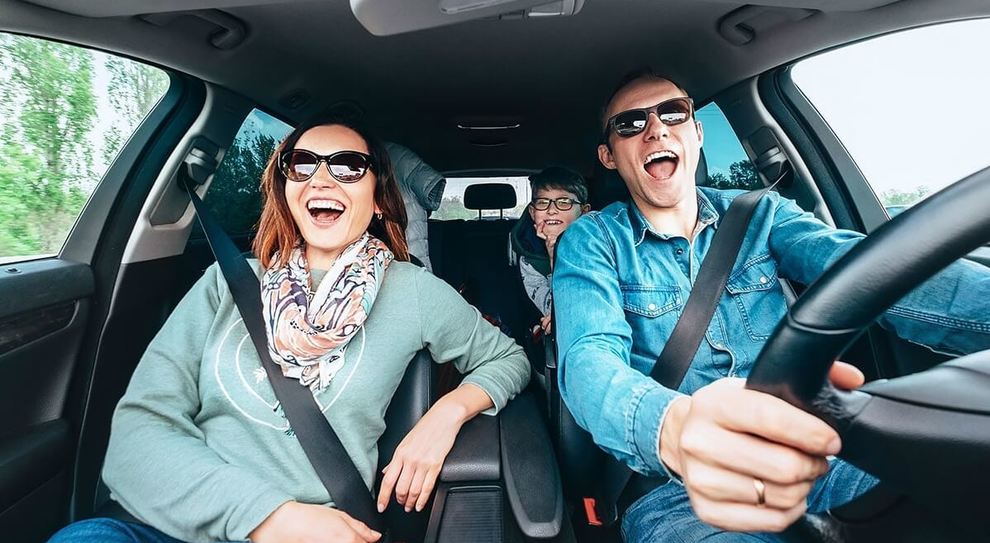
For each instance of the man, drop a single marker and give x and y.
(739, 460)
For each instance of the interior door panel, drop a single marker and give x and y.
(42, 319)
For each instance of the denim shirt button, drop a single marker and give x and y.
(652, 307)
(680, 251)
(763, 280)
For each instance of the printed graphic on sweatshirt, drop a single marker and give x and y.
(244, 382)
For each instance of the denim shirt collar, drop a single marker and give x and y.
(707, 215)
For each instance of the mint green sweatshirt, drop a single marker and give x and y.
(197, 449)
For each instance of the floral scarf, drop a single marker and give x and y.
(308, 332)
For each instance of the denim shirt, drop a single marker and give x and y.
(619, 288)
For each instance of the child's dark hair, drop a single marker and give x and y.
(558, 177)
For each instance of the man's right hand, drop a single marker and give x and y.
(295, 522)
(725, 440)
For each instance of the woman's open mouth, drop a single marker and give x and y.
(325, 212)
(661, 164)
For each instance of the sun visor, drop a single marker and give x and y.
(381, 18)
(117, 8)
(819, 5)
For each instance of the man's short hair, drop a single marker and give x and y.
(558, 177)
(630, 77)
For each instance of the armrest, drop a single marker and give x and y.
(532, 480)
(475, 455)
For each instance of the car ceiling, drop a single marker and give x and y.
(549, 75)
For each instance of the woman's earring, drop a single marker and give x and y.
(378, 214)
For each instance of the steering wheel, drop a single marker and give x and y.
(925, 435)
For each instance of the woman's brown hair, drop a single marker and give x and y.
(277, 231)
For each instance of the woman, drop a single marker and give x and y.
(199, 449)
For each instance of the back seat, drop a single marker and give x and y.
(472, 256)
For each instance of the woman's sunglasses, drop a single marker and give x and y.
(633, 121)
(345, 166)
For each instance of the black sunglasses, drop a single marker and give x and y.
(563, 204)
(633, 121)
(345, 166)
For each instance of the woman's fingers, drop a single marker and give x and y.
(415, 488)
(388, 484)
(428, 484)
(362, 529)
(403, 482)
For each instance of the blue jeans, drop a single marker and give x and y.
(109, 530)
(666, 514)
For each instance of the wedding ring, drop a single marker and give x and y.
(761, 491)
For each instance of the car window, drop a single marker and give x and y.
(452, 204)
(66, 112)
(910, 108)
(234, 195)
(728, 165)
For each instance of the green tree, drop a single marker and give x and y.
(235, 193)
(452, 207)
(743, 175)
(133, 90)
(893, 197)
(50, 108)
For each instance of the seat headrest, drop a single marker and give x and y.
(490, 196)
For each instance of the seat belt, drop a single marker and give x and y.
(321, 444)
(682, 346)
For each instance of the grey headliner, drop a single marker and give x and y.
(548, 74)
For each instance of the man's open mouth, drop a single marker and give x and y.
(661, 164)
(325, 212)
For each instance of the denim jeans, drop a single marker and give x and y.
(109, 530)
(666, 514)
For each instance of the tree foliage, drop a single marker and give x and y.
(894, 197)
(51, 135)
(451, 208)
(235, 193)
(742, 175)
(46, 160)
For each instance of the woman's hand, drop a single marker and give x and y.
(732, 445)
(414, 468)
(295, 522)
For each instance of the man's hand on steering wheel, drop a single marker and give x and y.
(748, 459)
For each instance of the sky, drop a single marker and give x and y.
(912, 108)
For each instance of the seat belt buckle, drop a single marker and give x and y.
(598, 515)
(590, 514)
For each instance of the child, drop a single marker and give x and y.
(559, 197)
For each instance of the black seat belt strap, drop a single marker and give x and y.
(321, 444)
(675, 359)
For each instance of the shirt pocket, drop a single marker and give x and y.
(651, 312)
(755, 291)
(650, 301)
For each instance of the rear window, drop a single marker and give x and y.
(452, 204)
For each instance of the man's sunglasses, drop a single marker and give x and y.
(345, 166)
(563, 204)
(633, 121)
